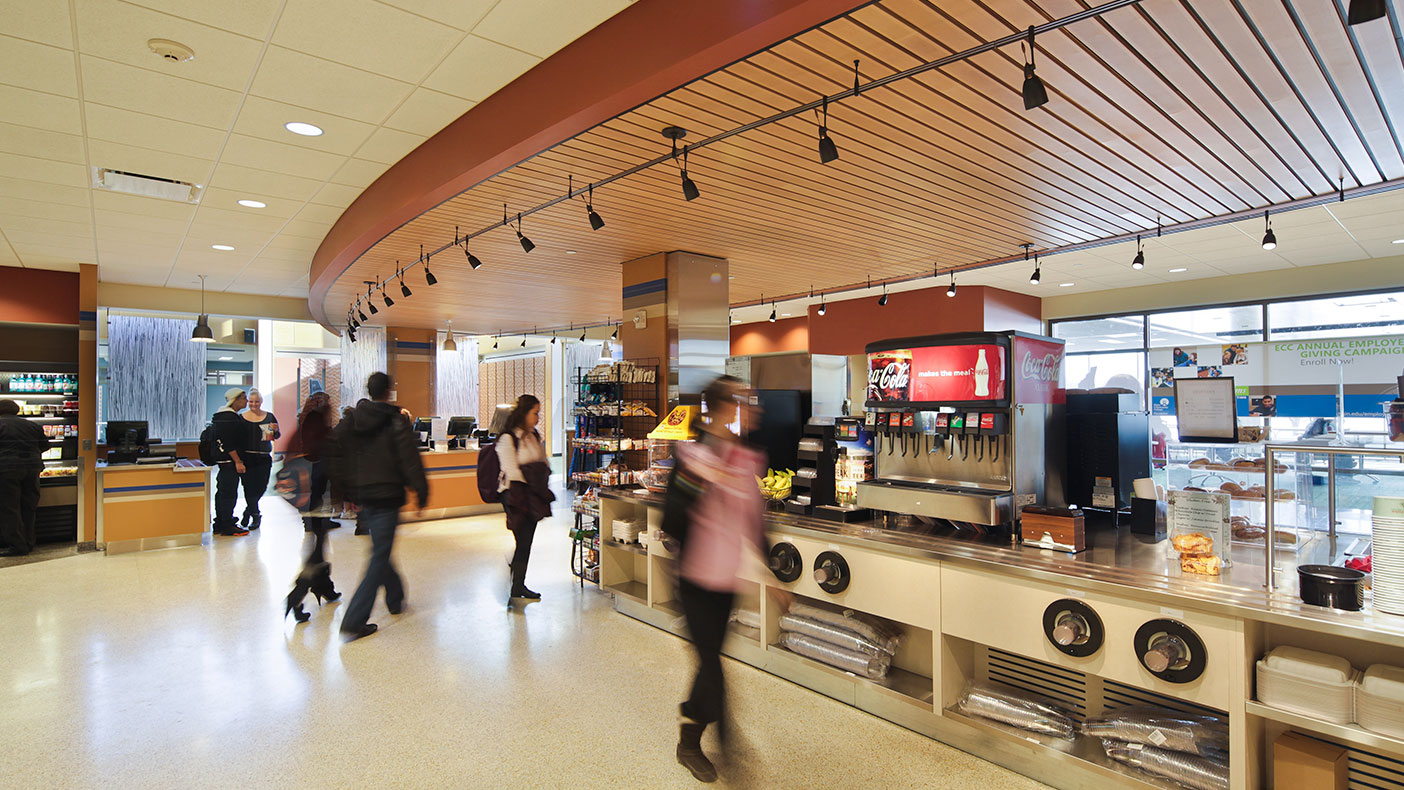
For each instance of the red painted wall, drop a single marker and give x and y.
(1009, 310)
(38, 296)
(848, 326)
(787, 334)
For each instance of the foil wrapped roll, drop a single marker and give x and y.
(1016, 708)
(1190, 770)
(1201, 734)
(827, 633)
(871, 667)
(881, 633)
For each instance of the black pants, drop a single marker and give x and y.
(19, 499)
(524, 530)
(381, 519)
(226, 496)
(707, 613)
(257, 467)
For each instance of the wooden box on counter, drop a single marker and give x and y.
(1053, 528)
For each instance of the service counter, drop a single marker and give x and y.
(152, 506)
(972, 611)
(453, 487)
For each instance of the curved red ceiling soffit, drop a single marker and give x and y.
(641, 53)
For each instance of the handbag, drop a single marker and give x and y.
(679, 499)
(294, 482)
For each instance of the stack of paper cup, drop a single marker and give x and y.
(1387, 566)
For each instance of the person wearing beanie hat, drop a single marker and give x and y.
(232, 436)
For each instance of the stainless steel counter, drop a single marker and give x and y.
(1117, 563)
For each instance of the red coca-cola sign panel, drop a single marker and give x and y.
(1038, 370)
(973, 372)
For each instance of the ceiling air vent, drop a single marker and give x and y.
(146, 186)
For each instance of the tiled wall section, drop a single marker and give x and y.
(502, 380)
(156, 374)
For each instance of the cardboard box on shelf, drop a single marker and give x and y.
(1300, 762)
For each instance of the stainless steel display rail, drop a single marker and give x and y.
(1329, 450)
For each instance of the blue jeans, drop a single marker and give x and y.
(381, 521)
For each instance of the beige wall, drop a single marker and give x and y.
(1372, 274)
(179, 300)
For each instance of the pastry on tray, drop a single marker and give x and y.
(1193, 543)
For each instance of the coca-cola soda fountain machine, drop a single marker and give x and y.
(966, 426)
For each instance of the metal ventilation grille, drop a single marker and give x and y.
(1066, 686)
(146, 186)
(1119, 695)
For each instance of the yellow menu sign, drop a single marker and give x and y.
(677, 425)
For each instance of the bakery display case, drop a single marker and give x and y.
(1240, 471)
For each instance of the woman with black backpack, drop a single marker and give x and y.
(523, 485)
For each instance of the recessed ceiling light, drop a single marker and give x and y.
(786, 315)
(1397, 241)
(304, 129)
(253, 204)
(1177, 271)
(570, 252)
(222, 247)
(1066, 285)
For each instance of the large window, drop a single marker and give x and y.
(1338, 316)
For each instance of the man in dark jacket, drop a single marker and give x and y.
(232, 434)
(375, 456)
(21, 445)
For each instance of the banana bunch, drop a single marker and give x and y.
(775, 485)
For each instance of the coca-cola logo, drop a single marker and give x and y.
(1044, 368)
(894, 375)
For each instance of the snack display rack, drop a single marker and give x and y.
(1239, 470)
(48, 396)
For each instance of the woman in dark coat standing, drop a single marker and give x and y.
(258, 459)
(313, 429)
(524, 484)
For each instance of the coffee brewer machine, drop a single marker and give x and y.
(965, 426)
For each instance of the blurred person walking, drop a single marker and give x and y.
(258, 460)
(713, 510)
(306, 447)
(524, 484)
(375, 456)
(231, 434)
(22, 444)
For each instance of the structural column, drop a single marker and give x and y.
(87, 401)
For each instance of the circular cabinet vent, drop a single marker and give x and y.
(173, 51)
(785, 562)
(831, 572)
(1171, 651)
(1072, 627)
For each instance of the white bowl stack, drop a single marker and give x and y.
(627, 531)
(1379, 700)
(1309, 683)
(1387, 568)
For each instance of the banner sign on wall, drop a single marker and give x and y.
(938, 374)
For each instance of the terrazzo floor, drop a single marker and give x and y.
(174, 668)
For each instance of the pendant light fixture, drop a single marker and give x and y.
(202, 332)
(404, 289)
(1269, 238)
(1139, 262)
(428, 275)
(828, 152)
(1035, 93)
(951, 292)
(596, 221)
(1366, 11)
(449, 343)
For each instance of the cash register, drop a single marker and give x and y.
(128, 443)
(460, 431)
(424, 431)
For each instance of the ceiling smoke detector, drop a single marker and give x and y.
(174, 51)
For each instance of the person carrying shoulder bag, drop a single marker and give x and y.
(525, 485)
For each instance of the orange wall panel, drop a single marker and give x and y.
(410, 359)
(787, 334)
(40, 296)
(851, 325)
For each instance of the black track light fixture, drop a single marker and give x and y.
(428, 275)
(523, 341)
(772, 313)
(1035, 277)
(596, 221)
(1035, 93)
(360, 313)
(472, 259)
(882, 300)
(615, 336)
(372, 306)
(386, 296)
(689, 187)
(582, 335)
(1139, 262)
(828, 152)
(370, 301)
(351, 332)
(823, 306)
(1366, 11)
(404, 289)
(1269, 238)
(951, 292)
(527, 245)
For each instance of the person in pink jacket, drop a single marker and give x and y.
(714, 512)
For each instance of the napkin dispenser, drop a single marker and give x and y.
(1057, 528)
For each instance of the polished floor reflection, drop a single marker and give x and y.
(175, 669)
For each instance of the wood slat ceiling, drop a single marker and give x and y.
(1169, 110)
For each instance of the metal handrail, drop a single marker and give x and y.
(1332, 450)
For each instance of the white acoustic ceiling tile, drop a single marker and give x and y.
(121, 275)
(293, 244)
(326, 215)
(228, 199)
(123, 208)
(40, 110)
(425, 112)
(46, 23)
(47, 193)
(306, 230)
(478, 67)
(338, 195)
(542, 27)
(290, 159)
(54, 263)
(318, 84)
(18, 207)
(252, 18)
(45, 170)
(237, 219)
(37, 66)
(462, 14)
(148, 162)
(154, 252)
(263, 182)
(7, 255)
(119, 32)
(246, 243)
(148, 131)
(273, 252)
(367, 35)
(265, 118)
(149, 92)
(29, 141)
(359, 173)
(388, 146)
(166, 236)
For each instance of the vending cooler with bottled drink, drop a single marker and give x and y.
(966, 427)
